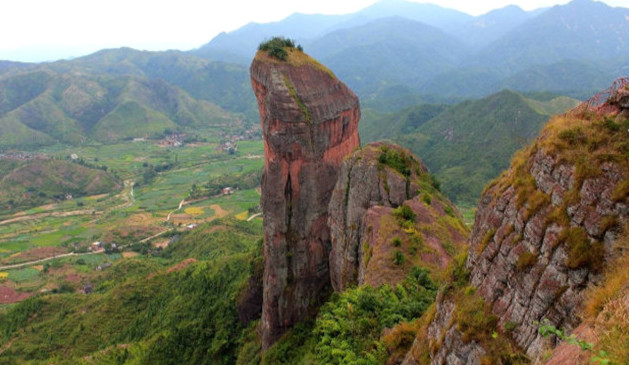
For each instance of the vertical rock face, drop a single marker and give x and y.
(543, 233)
(373, 181)
(309, 123)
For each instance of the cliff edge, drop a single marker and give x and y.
(309, 123)
(546, 230)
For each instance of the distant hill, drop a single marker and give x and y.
(42, 107)
(240, 45)
(582, 30)
(224, 84)
(25, 184)
(487, 28)
(387, 52)
(467, 144)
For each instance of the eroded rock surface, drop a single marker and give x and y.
(363, 226)
(309, 123)
(543, 233)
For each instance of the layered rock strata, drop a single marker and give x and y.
(309, 123)
(543, 233)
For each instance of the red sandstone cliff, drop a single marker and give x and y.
(309, 123)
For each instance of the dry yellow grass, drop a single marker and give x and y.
(219, 212)
(194, 211)
(242, 216)
(612, 329)
(297, 58)
(616, 279)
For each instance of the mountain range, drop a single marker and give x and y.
(395, 54)
(437, 51)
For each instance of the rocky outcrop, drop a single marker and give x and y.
(543, 233)
(373, 181)
(309, 123)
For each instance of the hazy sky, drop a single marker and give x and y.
(39, 30)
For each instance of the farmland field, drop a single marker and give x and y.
(157, 180)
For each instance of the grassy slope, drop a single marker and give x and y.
(68, 108)
(40, 181)
(588, 143)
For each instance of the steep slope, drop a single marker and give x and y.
(376, 125)
(309, 123)
(386, 216)
(179, 307)
(238, 46)
(487, 28)
(566, 49)
(544, 232)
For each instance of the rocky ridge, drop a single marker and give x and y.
(543, 233)
(373, 185)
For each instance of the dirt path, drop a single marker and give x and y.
(29, 263)
(154, 236)
(181, 203)
(253, 216)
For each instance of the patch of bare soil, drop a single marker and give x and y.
(9, 295)
(181, 265)
(161, 243)
(219, 212)
(35, 254)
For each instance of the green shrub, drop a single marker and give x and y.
(397, 160)
(426, 198)
(397, 242)
(404, 213)
(349, 326)
(573, 136)
(398, 257)
(276, 47)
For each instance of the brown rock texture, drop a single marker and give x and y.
(309, 123)
(543, 233)
(363, 226)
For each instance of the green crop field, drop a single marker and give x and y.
(74, 224)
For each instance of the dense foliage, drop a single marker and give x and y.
(147, 311)
(277, 47)
(468, 144)
(349, 327)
